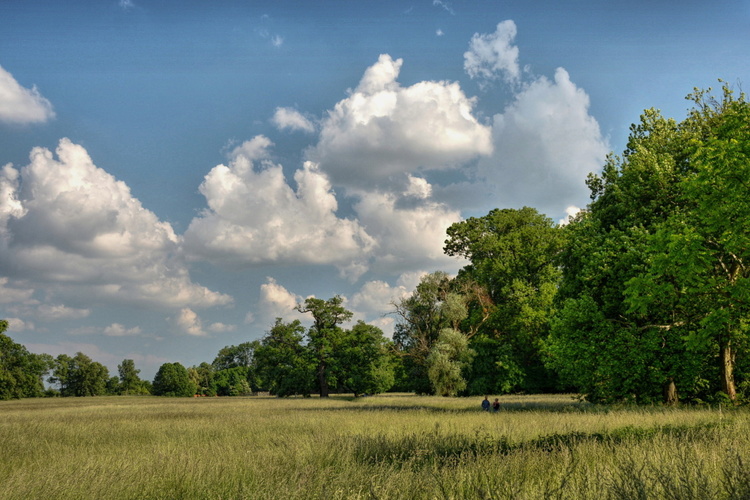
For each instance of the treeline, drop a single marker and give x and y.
(644, 296)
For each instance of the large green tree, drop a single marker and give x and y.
(648, 298)
(21, 372)
(364, 360)
(325, 337)
(701, 253)
(284, 363)
(510, 286)
(432, 307)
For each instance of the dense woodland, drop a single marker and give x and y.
(644, 297)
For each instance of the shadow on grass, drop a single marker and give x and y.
(433, 448)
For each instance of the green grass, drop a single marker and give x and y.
(390, 446)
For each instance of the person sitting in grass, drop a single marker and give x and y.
(486, 404)
(496, 405)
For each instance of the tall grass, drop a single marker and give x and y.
(390, 446)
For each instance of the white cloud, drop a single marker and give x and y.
(546, 143)
(14, 294)
(491, 56)
(118, 330)
(48, 312)
(19, 325)
(277, 41)
(291, 119)
(70, 227)
(410, 231)
(19, 105)
(255, 217)
(376, 297)
(188, 321)
(383, 131)
(277, 302)
(444, 5)
(221, 328)
(570, 213)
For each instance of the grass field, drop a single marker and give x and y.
(384, 447)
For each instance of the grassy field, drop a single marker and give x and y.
(383, 447)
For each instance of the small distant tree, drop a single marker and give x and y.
(172, 380)
(80, 376)
(130, 382)
(203, 377)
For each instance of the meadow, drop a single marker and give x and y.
(382, 447)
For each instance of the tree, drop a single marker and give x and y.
(21, 372)
(448, 359)
(701, 257)
(203, 378)
(236, 355)
(80, 376)
(172, 380)
(421, 317)
(652, 289)
(130, 382)
(284, 364)
(366, 366)
(509, 286)
(324, 337)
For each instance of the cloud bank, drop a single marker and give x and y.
(19, 105)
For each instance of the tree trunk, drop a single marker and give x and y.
(726, 356)
(670, 392)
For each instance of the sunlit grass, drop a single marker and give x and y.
(390, 446)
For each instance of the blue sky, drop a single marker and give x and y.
(175, 175)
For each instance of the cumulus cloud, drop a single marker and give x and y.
(255, 217)
(276, 302)
(546, 143)
(19, 105)
(119, 330)
(19, 325)
(383, 131)
(188, 321)
(74, 229)
(492, 56)
(291, 119)
(410, 228)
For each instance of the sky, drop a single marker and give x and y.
(176, 175)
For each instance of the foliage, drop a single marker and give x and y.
(80, 376)
(365, 364)
(292, 360)
(448, 359)
(233, 381)
(324, 338)
(284, 364)
(653, 289)
(512, 280)
(432, 307)
(203, 378)
(21, 372)
(173, 380)
(129, 381)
